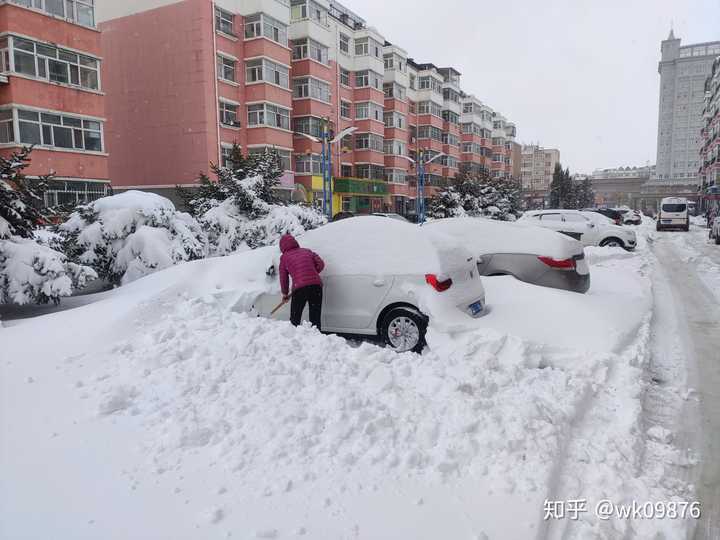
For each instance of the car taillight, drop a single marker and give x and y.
(564, 264)
(439, 286)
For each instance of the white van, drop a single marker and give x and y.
(673, 214)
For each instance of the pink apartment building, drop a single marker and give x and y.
(188, 78)
(51, 94)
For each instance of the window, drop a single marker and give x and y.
(261, 25)
(345, 109)
(78, 11)
(429, 132)
(369, 141)
(344, 44)
(308, 164)
(429, 107)
(551, 217)
(55, 65)
(574, 218)
(262, 69)
(226, 68)
(310, 125)
(395, 176)
(344, 77)
(368, 110)
(394, 90)
(367, 78)
(266, 114)
(308, 87)
(308, 9)
(451, 117)
(395, 147)
(284, 155)
(224, 21)
(7, 133)
(375, 172)
(394, 119)
(412, 83)
(226, 157)
(309, 48)
(361, 46)
(229, 114)
(59, 131)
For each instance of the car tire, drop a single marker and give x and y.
(612, 242)
(717, 239)
(403, 329)
(687, 227)
(657, 227)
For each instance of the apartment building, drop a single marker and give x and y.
(51, 95)
(683, 71)
(536, 173)
(188, 78)
(709, 171)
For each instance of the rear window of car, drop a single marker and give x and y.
(551, 217)
(674, 207)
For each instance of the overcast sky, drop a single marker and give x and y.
(577, 75)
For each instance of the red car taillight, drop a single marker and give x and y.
(439, 286)
(564, 264)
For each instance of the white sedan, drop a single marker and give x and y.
(384, 278)
(590, 228)
(715, 230)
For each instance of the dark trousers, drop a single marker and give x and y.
(311, 294)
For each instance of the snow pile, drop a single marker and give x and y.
(127, 236)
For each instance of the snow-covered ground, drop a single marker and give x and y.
(160, 411)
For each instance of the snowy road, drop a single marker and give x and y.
(688, 264)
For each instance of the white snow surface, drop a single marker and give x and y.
(484, 236)
(176, 417)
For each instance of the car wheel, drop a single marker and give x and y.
(403, 329)
(717, 239)
(612, 242)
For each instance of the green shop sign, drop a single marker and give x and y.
(351, 185)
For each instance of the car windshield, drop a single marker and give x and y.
(674, 207)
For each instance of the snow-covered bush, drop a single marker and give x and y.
(240, 208)
(31, 267)
(127, 236)
(478, 196)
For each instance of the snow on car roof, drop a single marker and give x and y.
(484, 236)
(377, 245)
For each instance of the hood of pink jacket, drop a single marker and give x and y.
(288, 242)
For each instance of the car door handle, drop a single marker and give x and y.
(379, 282)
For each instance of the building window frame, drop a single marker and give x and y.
(265, 114)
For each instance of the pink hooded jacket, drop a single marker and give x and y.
(303, 265)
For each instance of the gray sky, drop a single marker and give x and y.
(577, 75)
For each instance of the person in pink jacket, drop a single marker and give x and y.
(304, 267)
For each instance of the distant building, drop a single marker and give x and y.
(710, 149)
(516, 160)
(683, 72)
(620, 186)
(536, 172)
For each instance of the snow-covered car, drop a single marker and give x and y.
(384, 278)
(528, 253)
(630, 216)
(615, 216)
(590, 228)
(715, 230)
(673, 214)
(391, 216)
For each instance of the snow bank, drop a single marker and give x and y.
(130, 235)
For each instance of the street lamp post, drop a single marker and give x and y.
(421, 162)
(326, 159)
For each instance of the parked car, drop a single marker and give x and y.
(377, 271)
(391, 216)
(629, 216)
(614, 215)
(673, 214)
(342, 215)
(528, 253)
(715, 230)
(590, 228)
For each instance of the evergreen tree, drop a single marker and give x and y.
(556, 187)
(21, 199)
(473, 194)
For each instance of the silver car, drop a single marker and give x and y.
(529, 253)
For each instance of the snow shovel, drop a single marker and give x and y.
(281, 304)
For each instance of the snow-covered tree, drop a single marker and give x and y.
(561, 188)
(479, 195)
(32, 269)
(240, 208)
(127, 236)
(21, 198)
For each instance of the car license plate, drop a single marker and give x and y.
(475, 308)
(666, 220)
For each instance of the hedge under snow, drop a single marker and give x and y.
(127, 236)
